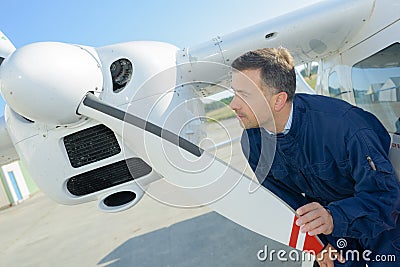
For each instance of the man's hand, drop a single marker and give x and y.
(314, 219)
(327, 256)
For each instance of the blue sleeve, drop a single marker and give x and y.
(375, 205)
(293, 199)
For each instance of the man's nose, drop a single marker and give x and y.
(234, 103)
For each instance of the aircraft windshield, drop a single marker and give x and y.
(376, 85)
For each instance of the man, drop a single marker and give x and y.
(331, 160)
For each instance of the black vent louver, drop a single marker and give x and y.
(91, 145)
(107, 176)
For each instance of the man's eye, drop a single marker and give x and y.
(241, 94)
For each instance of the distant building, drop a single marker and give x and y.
(373, 91)
(15, 185)
(390, 90)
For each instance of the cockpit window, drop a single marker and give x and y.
(376, 85)
(334, 85)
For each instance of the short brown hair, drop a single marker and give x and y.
(276, 65)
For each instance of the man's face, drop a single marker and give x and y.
(250, 103)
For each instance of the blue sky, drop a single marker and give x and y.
(99, 23)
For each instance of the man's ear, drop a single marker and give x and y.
(280, 101)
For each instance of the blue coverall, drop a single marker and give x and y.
(335, 154)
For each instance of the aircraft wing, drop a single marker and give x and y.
(309, 33)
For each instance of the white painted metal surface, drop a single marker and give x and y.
(338, 34)
(6, 47)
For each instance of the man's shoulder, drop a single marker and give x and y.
(335, 112)
(323, 105)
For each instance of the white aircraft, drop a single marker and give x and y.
(105, 123)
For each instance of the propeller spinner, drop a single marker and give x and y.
(47, 81)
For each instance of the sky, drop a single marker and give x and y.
(98, 23)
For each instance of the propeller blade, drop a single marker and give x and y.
(91, 103)
(6, 47)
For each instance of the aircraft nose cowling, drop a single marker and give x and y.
(47, 81)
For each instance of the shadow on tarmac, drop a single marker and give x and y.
(206, 240)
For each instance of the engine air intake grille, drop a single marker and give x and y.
(91, 145)
(107, 176)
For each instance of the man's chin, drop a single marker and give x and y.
(246, 125)
(242, 124)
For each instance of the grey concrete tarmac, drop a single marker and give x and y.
(40, 232)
